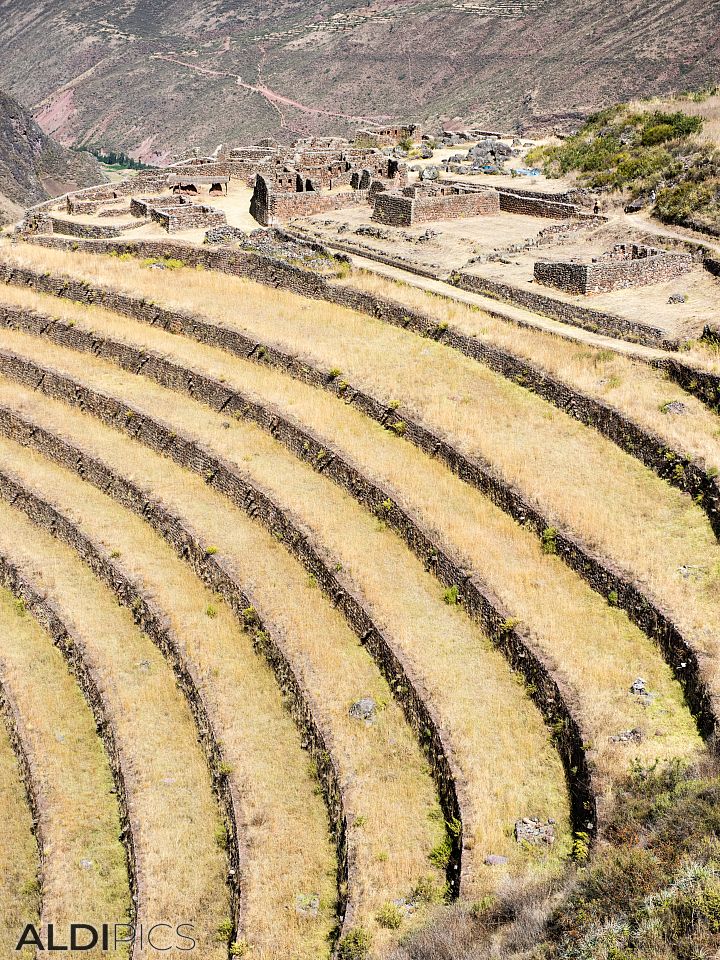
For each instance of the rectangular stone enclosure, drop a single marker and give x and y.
(626, 265)
(412, 205)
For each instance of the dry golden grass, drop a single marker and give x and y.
(632, 387)
(327, 334)
(386, 776)
(491, 723)
(290, 851)
(597, 648)
(84, 873)
(169, 789)
(19, 887)
(581, 480)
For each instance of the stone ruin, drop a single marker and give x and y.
(176, 213)
(310, 176)
(426, 201)
(626, 265)
(388, 136)
(318, 175)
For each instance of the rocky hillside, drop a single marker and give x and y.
(656, 158)
(156, 78)
(33, 166)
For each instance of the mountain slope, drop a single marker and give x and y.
(157, 78)
(32, 165)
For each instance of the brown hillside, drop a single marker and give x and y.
(228, 71)
(33, 166)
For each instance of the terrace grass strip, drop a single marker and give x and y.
(555, 701)
(257, 504)
(20, 889)
(17, 738)
(261, 269)
(72, 651)
(601, 574)
(212, 570)
(151, 621)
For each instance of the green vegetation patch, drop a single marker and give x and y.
(653, 154)
(650, 890)
(653, 891)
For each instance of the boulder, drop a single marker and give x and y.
(363, 709)
(534, 831)
(495, 860)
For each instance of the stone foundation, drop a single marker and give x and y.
(186, 216)
(415, 205)
(536, 207)
(626, 265)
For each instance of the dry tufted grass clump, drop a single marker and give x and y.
(168, 786)
(84, 870)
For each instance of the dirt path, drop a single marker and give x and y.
(270, 95)
(506, 311)
(640, 222)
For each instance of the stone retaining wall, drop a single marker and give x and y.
(651, 450)
(260, 506)
(90, 231)
(30, 777)
(536, 207)
(595, 320)
(153, 623)
(81, 668)
(551, 697)
(404, 210)
(210, 570)
(567, 197)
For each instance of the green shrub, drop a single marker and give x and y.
(389, 916)
(440, 854)
(643, 152)
(451, 595)
(355, 945)
(427, 890)
(548, 540)
(250, 617)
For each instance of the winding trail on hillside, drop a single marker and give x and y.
(270, 95)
